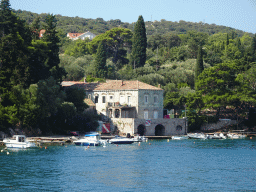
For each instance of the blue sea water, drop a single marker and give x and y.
(157, 165)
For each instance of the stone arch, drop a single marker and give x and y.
(141, 129)
(159, 130)
(178, 128)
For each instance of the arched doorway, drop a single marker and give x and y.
(141, 129)
(159, 130)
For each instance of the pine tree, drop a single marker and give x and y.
(100, 61)
(199, 63)
(139, 44)
(14, 42)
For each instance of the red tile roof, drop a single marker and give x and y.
(41, 33)
(74, 35)
(112, 85)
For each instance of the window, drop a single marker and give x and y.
(89, 96)
(129, 100)
(110, 97)
(146, 98)
(146, 114)
(103, 99)
(155, 114)
(122, 99)
(96, 99)
(155, 99)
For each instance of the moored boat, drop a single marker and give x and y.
(235, 136)
(140, 139)
(90, 139)
(217, 135)
(121, 140)
(179, 137)
(18, 141)
(197, 136)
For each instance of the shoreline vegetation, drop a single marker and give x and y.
(207, 71)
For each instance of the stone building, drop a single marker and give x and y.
(132, 107)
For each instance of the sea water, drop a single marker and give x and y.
(156, 165)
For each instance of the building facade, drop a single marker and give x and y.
(131, 107)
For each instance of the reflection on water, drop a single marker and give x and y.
(186, 165)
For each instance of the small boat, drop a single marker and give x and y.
(90, 139)
(197, 136)
(179, 137)
(18, 141)
(140, 139)
(121, 140)
(235, 136)
(217, 135)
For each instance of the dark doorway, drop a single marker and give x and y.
(159, 130)
(141, 130)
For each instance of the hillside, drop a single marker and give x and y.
(98, 26)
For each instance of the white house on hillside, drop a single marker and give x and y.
(83, 36)
(131, 107)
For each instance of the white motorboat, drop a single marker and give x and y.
(235, 136)
(90, 139)
(18, 141)
(217, 135)
(140, 139)
(179, 137)
(197, 136)
(121, 140)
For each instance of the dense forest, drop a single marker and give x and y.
(209, 69)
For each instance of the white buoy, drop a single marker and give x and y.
(7, 153)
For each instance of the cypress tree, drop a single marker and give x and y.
(253, 48)
(100, 61)
(227, 43)
(53, 60)
(199, 63)
(35, 28)
(139, 44)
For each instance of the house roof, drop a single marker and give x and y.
(41, 32)
(74, 35)
(112, 85)
(89, 102)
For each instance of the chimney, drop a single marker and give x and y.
(84, 79)
(159, 86)
(122, 83)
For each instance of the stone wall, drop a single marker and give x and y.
(173, 126)
(220, 124)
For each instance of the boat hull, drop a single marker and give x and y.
(86, 144)
(122, 142)
(20, 145)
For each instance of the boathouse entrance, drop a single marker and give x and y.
(141, 130)
(159, 130)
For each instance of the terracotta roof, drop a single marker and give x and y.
(41, 32)
(89, 102)
(112, 85)
(74, 35)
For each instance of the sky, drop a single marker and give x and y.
(238, 14)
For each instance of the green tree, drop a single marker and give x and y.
(139, 43)
(218, 85)
(100, 61)
(52, 62)
(35, 28)
(199, 63)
